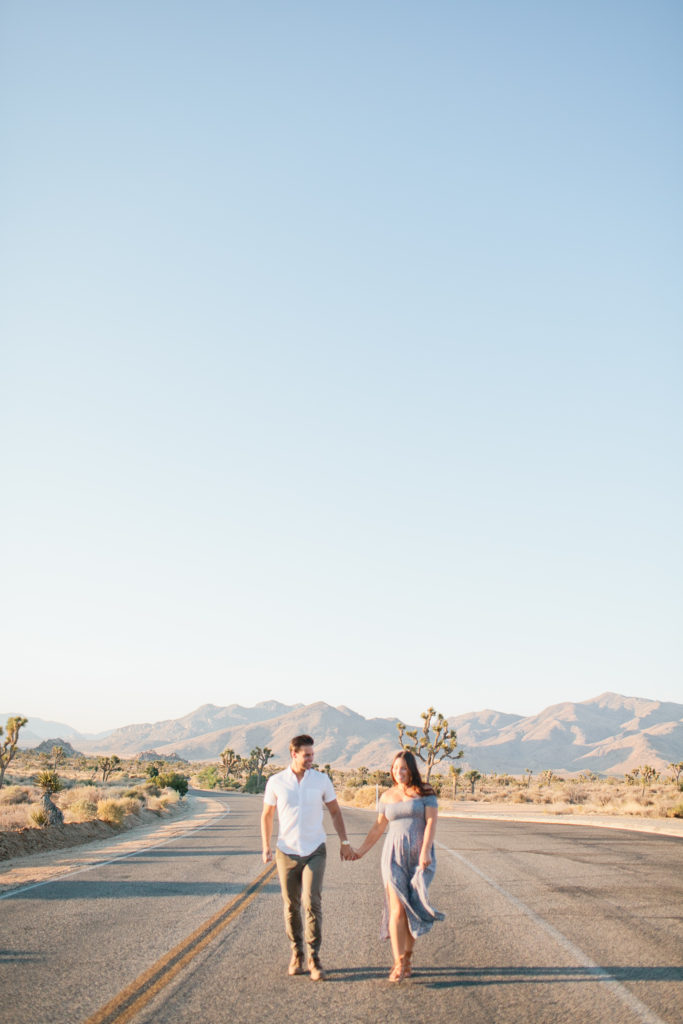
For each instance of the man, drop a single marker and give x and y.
(299, 793)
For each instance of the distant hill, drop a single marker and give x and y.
(200, 730)
(46, 747)
(342, 737)
(609, 734)
(39, 729)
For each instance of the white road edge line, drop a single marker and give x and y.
(103, 863)
(643, 1012)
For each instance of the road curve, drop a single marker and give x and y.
(544, 923)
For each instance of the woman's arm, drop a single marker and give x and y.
(428, 838)
(373, 835)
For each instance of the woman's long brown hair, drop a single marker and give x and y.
(423, 788)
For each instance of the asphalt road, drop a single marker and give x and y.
(545, 923)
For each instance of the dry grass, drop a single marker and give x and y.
(575, 795)
(20, 807)
(364, 796)
(16, 795)
(582, 795)
(14, 817)
(160, 803)
(111, 811)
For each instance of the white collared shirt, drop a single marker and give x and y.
(299, 809)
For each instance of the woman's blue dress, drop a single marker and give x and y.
(400, 863)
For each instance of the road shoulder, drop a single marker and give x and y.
(197, 810)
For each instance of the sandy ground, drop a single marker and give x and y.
(504, 812)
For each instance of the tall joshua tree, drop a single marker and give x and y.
(8, 746)
(258, 759)
(107, 765)
(434, 742)
(231, 762)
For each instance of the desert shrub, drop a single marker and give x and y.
(82, 810)
(521, 798)
(364, 796)
(77, 795)
(575, 794)
(15, 795)
(14, 816)
(38, 816)
(675, 812)
(209, 777)
(160, 803)
(254, 784)
(130, 805)
(136, 794)
(111, 810)
(173, 780)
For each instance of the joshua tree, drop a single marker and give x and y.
(455, 774)
(676, 769)
(231, 762)
(8, 746)
(529, 773)
(434, 743)
(648, 775)
(379, 778)
(547, 776)
(50, 783)
(57, 756)
(258, 759)
(107, 765)
(473, 777)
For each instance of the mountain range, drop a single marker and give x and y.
(609, 734)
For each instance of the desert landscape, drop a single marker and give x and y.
(55, 795)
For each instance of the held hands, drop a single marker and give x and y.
(347, 852)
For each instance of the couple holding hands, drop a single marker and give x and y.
(409, 808)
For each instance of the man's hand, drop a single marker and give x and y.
(267, 856)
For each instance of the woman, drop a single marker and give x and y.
(408, 864)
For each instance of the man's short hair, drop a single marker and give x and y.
(297, 742)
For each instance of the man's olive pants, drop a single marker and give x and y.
(301, 881)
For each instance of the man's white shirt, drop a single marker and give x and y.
(299, 809)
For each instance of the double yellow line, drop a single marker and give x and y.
(126, 1004)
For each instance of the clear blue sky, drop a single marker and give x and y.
(342, 358)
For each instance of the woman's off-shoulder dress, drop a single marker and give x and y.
(400, 863)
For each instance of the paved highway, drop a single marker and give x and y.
(545, 923)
